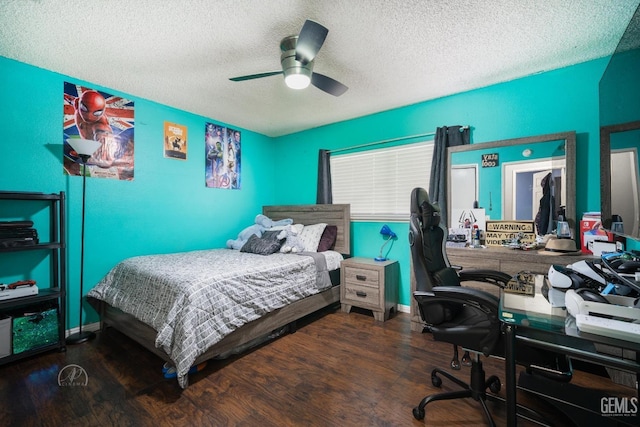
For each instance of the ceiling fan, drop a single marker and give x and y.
(297, 57)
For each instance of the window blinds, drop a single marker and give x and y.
(378, 183)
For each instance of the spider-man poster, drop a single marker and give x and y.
(99, 116)
(222, 154)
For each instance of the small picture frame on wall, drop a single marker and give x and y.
(175, 141)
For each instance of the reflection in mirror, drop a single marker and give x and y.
(510, 177)
(523, 183)
(619, 145)
(620, 132)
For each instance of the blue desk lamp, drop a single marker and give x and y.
(390, 235)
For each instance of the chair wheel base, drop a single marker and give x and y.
(436, 381)
(418, 413)
(495, 386)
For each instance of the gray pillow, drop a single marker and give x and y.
(265, 245)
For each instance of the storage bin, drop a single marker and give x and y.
(5, 335)
(35, 328)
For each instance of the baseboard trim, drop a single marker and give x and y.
(93, 327)
(404, 308)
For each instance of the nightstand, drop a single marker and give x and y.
(369, 284)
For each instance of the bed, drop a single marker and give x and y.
(171, 334)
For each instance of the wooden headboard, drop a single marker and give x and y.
(338, 215)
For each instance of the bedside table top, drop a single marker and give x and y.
(368, 261)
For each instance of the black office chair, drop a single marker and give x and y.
(458, 315)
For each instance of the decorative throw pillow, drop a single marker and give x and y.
(328, 239)
(311, 235)
(271, 235)
(265, 245)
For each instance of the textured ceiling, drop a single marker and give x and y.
(390, 53)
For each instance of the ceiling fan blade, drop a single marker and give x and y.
(254, 76)
(328, 84)
(310, 41)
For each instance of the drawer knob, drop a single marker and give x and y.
(361, 277)
(361, 294)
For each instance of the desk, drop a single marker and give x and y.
(532, 321)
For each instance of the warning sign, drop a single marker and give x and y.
(502, 232)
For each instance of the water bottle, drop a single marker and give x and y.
(476, 236)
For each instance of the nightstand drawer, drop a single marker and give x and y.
(362, 295)
(361, 276)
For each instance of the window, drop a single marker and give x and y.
(378, 183)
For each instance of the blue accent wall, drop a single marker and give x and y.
(167, 207)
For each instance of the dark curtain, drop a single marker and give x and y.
(445, 137)
(324, 193)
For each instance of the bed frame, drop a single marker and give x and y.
(338, 215)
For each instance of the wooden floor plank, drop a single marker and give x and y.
(338, 369)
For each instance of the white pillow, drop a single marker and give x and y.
(311, 235)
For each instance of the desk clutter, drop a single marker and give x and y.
(604, 296)
(522, 283)
(21, 288)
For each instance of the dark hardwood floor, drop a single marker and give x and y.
(336, 370)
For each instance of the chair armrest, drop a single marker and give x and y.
(497, 278)
(461, 295)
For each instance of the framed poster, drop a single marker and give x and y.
(175, 141)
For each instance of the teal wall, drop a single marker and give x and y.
(556, 101)
(620, 89)
(167, 207)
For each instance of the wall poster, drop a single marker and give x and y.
(99, 116)
(222, 157)
(175, 141)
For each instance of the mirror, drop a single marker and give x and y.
(619, 185)
(506, 177)
(620, 133)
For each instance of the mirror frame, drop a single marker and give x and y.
(569, 138)
(605, 167)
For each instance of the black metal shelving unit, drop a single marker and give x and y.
(55, 292)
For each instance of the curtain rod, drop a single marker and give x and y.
(386, 141)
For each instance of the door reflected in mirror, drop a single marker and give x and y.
(624, 189)
(620, 166)
(524, 183)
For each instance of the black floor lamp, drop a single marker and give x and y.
(85, 148)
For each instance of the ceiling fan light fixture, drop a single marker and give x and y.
(297, 57)
(296, 74)
(297, 81)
